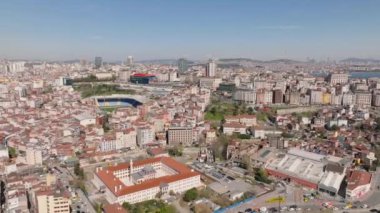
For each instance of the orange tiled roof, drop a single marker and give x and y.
(112, 182)
(358, 178)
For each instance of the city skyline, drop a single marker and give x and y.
(267, 30)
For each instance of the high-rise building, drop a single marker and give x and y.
(211, 68)
(376, 99)
(183, 65)
(18, 66)
(98, 62)
(129, 61)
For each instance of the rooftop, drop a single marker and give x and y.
(117, 187)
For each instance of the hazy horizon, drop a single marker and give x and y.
(197, 30)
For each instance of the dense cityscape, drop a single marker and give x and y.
(223, 135)
(201, 106)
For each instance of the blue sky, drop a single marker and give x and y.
(195, 29)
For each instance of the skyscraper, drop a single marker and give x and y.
(211, 68)
(129, 61)
(183, 65)
(98, 62)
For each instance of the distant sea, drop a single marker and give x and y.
(369, 74)
(353, 74)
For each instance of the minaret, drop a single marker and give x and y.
(130, 167)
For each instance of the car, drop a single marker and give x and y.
(291, 209)
(364, 206)
(273, 209)
(248, 210)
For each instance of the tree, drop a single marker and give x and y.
(159, 195)
(12, 152)
(78, 171)
(175, 151)
(219, 148)
(262, 176)
(377, 120)
(334, 128)
(250, 111)
(190, 195)
(127, 206)
(213, 110)
(99, 207)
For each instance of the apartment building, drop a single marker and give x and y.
(338, 78)
(50, 200)
(363, 99)
(180, 135)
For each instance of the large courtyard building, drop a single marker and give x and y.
(139, 181)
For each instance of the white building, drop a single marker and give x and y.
(316, 97)
(234, 127)
(263, 133)
(33, 156)
(145, 135)
(49, 200)
(363, 99)
(124, 75)
(338, 78)
(210, 83)
(18, 66)
(211, 68)
(348, 99)
(139, 181)
(126, 139)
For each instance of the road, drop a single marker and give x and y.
(293, 196)
(86, 203)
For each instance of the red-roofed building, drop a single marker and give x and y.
(114, 208)
(139, 181)
(358, 184)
